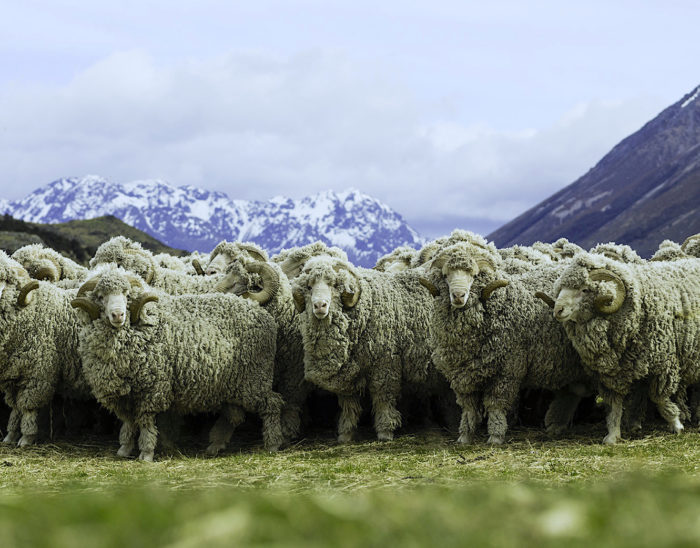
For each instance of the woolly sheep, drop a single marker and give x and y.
(617, 252)
(292, 260)
(38, 348)
(165, 260)
(491, 338)
(633, 323)
(363, 329)
(266, 284)
(396, 261)
(566, 249)
(43, 263)
(226, 252)
(131, 256)
(189, 353)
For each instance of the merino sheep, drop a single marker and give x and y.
(292, 260)
(266, 284)
(165, 260)
(396, 261)
(38, 348)
(631, 324)
(363, 329)
(131, 256)
(566, 249)
(491, 337)
(617, 252)
(226, 252)
(188, 353)
(43, 263)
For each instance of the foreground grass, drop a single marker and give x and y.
(420, 489)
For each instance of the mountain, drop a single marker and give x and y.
(645, 190)
(191, 218)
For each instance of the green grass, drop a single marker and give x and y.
(420, 489)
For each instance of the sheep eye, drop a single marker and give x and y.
(585, 290)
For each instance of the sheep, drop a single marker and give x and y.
(396, 261)
(631, 324)
(131, 256)
(491, 337)
(225, 252)
(429, 250)
(618, 252)
(566, 249)
(38, 348)
(292, 260)
(188, 353)
(363, 330)
(165, 260)
(266, 284)
(43, 263)
(691, 246)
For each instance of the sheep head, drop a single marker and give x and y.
(325, 281)
(14, 275)
(227, 252)
(588, 288)
(250, 279)
(40, 262)
(127, 254)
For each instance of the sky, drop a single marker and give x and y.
(454, 113)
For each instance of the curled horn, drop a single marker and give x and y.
(688, 240)
(152, 270)
(491, 287)
(299, 301)
(87, 286)
(86, 304)
(138, 303)
(439, 261)
(253, 252)
(270, 282)
(348, 298)
(546, 298)
(45, 273)
(484, 265)
(430, 286)
(291, 268)
(605, 305)
(24, 298)
(198, 267)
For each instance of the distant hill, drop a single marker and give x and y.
(76, 239)
(645, 190)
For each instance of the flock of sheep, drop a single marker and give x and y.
(236, 332)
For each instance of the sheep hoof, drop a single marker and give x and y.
(678, 427)
(214, 448)
(611, 439)
(496, 440)
(10, 438)
(24, 441)
(385, 435)
(345, 437)
(146, 456)
(125, 451)
(464, 439)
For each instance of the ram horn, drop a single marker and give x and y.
(484, 265)
(24, 297)
(87, 286)
(152, 270)
(426, 254)
(491, 287)
(430, 286)
(688, 240)
(270, 282)
(253, 252)
(546, 298)
(138, 303)
(299, 301)
(605, 305)
(86, 304)
(439, 261)
(198, 267)
(46, 273)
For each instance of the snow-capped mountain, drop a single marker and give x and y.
(191, 218)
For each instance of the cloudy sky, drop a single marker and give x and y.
(455, 113)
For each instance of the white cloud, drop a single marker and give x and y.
(254, 125)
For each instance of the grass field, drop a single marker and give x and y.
(420, 489)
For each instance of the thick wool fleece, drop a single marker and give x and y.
(165, 260)
(522, 259)
(618, 252)
(292, 260)
(289, 359)
(654, 336)
(377, 345)
(431, 249)
(38, 350)
(34, 257)
(131, 256)
(191, 353)
(490, 350)
(404, 255)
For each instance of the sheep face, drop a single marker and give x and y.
(573, 304)
(217, 264)
(326, 282)
(459, 283)
(460, 264)
(111, 293)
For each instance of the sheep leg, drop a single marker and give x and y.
(560, 413)
(470, 417)
(669, 411)
(13, 431)
(127, 438)
(220, 434)
(350, 410)
(272, 426)
(497, 425)
(614, 401)
(148, 437)
(29, 427)
(386, 417)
